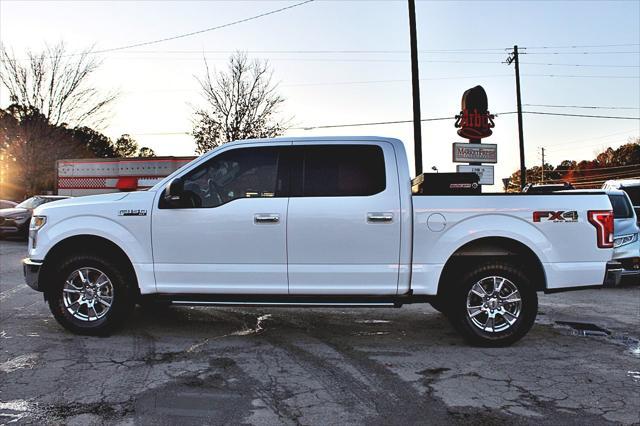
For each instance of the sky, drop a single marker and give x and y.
(341, 62)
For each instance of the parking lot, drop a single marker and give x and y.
(317, 366)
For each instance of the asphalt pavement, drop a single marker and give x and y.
(191, 366)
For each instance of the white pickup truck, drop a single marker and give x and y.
(320, 222)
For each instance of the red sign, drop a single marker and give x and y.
(474, 124)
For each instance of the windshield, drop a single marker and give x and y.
(33, 202)
(621, 207)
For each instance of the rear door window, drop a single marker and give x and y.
(337, 171)
(621, 206)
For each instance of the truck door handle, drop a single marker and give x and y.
(379, 217)
(266, 218)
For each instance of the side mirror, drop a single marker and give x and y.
(174, 191)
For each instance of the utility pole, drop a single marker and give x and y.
(415, 82)
(542, 170)
(513, 57)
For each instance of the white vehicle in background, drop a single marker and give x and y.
(631, 187)
(318, 221)
(626, 241)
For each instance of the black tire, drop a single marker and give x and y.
(482, 274)
(123, 294)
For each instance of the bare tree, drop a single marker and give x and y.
(56, 83)
(242, 103)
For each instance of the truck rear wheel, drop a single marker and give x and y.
(90, 294)
(495, 304)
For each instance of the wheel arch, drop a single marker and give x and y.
(493, 248)
(86, 243)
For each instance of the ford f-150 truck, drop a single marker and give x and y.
(320, 222)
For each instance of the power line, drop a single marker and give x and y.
(217, 27)
(366, 52)
(583, 53)
(600, 137)
(598, 169)
(581, 115)
(497, 50)
(362, 82)
(581, 106)
(331, 126)
(323, 51)
(581, 76)
(581, 65)
(595, 178)
(603, 145)
(376, 123)
(583, 45)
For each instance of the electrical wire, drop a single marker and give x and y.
(579, 65)
(583, 45)
(599, 168)
(580, 53)
(580, 115)
(217, 27)
(580, 106)
(331, 126)
(377, 123)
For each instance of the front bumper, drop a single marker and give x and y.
(613, 274)
(31, 269)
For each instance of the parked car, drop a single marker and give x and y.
(6, 204)
(626, 238)
(317, 221)
(631, 187)
(14, 221)
(626, 242)
(536, 188)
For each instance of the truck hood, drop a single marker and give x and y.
(92, 200)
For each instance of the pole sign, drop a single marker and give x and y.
(475, 152)
(485, 172)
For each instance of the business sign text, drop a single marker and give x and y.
(475, 152)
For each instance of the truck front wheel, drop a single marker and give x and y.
(495, 304)
(90, 294)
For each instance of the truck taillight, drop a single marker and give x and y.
(603, 221)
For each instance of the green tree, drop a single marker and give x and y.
(95, 142)
(125, 146)
(146, 152)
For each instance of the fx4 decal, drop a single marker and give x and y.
(559, 216)
(136, 212)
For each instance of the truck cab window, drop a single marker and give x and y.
(239, 173)
(339, 171)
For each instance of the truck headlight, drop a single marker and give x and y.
(37, 222)
(623, 240)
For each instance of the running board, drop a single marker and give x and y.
(284, 304)
(287, 300)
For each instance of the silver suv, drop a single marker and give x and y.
(626, 244)
(631, 187)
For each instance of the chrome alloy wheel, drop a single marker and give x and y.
(494, 304)
(87, 294)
